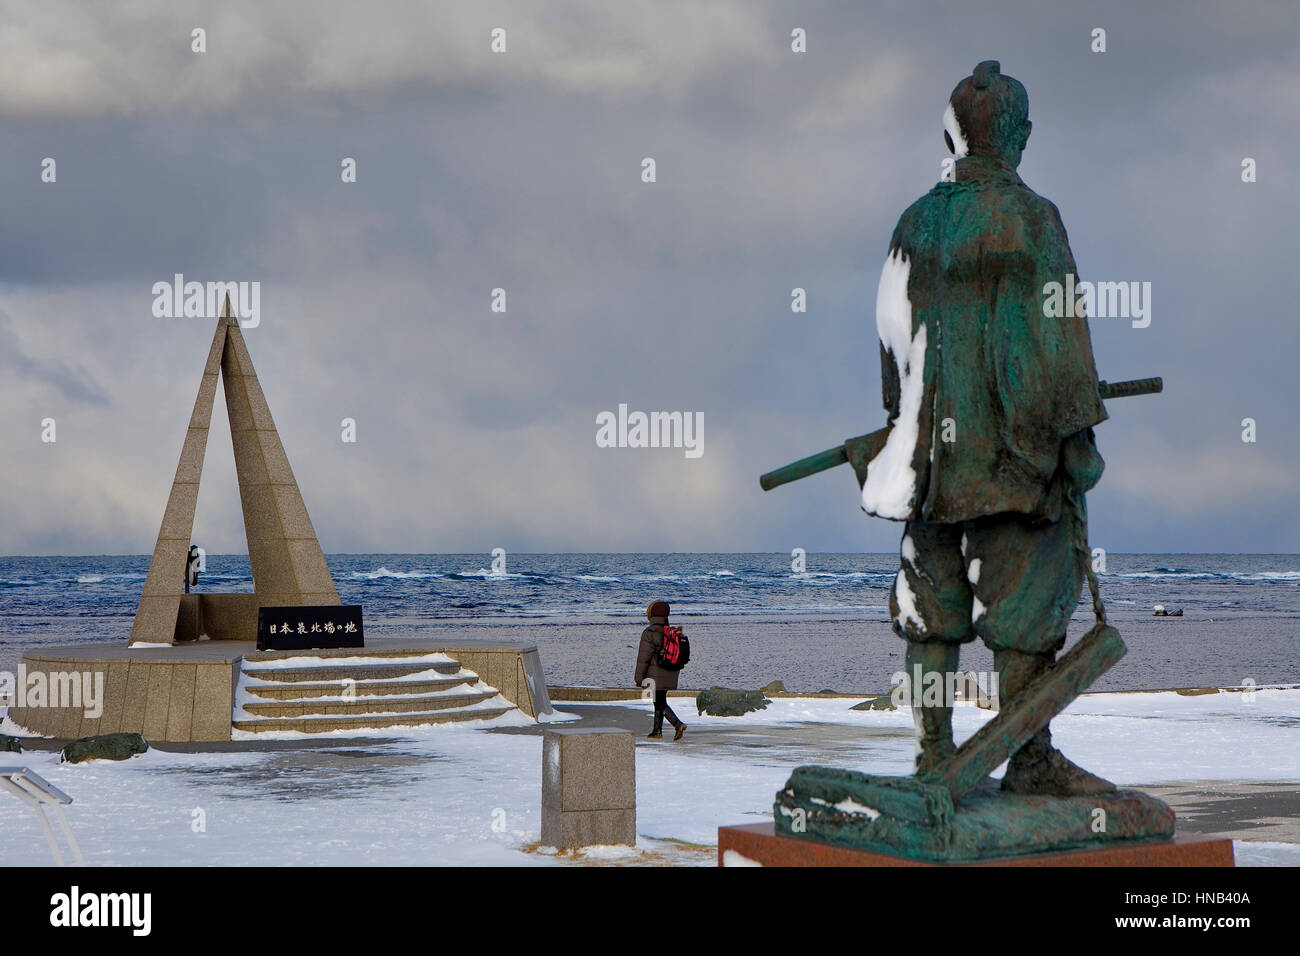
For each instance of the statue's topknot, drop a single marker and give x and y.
(984, 74)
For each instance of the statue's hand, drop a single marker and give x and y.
(1081, 460)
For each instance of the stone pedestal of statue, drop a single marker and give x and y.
(759, 844)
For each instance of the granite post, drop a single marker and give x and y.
(588, 787)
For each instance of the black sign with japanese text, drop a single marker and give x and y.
(297, 628)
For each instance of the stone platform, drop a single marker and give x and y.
(187, 692)
(759, 843)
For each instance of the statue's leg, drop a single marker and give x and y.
(930, 605)
(1027, 578)
(1038, 767)
(933, 718)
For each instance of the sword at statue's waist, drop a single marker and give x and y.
(862, 449)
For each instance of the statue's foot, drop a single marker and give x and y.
(1047, 772)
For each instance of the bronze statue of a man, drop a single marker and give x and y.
(992, 405)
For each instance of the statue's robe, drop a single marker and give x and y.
(981, 387)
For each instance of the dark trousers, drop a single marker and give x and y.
(662, 709)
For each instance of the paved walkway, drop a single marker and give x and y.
(1244, 811)
(1268, 811)
(1258, 811)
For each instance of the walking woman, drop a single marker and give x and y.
(652, 663)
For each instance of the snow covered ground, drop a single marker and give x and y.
(466, 795)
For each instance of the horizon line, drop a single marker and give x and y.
(106, 554)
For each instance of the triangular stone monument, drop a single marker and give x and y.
(286, 559)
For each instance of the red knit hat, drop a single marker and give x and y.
(657, 609)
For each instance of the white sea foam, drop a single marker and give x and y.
(491, 575)
(400, 575)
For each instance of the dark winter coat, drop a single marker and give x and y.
(647, 665)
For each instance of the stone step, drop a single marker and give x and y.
(358, 672)
(374, 705)
(317, 725)
(284, 690)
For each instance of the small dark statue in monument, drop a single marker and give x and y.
(192, 567)
(987, 458)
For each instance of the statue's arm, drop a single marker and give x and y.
(1082, 333)
(1080, 459)
(1078, 397)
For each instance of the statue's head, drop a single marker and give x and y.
(988, 115)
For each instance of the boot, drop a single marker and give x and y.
(933, 724)
(1038, 767)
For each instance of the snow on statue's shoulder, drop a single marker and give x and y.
(890, 487)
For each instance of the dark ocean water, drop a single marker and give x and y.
(751, 618)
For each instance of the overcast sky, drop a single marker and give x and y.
(522, 171)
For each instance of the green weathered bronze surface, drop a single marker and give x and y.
(1017, 721)
(729, 702)
(954, 812)
(120, 746)
(859, 451)
(918, 820)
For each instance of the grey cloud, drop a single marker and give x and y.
(477, 430)
(67, 58)
(70, 380)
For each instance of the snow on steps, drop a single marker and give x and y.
(321, 694)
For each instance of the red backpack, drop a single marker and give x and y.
(676, 649)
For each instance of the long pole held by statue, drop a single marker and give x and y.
(861, 450)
